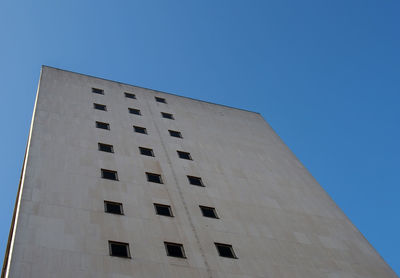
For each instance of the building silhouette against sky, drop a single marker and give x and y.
(121, 181)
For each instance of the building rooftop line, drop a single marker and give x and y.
(105, 79)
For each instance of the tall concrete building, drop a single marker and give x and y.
(121, 181)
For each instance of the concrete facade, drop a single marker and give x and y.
(277, 218)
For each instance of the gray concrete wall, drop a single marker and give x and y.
(279, 220)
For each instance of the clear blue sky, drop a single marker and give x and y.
(325, 74)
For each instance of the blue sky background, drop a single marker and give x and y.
(324, 74)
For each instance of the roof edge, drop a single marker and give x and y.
(88, 75)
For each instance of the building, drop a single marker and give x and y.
(121, 181)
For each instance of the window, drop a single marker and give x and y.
(195, 180)
(99, 107)
(163, 210)
(184, 155)
(225, 250)
(174, 250)
(167, 115)
(119, 249)
(97, 91)
(208, 212)
(140, 129)
(160, 99)
(112, 207)
(129, 95)
(103, 125)
(175, 133)
(146, 151)
(109, 174)
(151, 177)
(106, 148)
(134, 111)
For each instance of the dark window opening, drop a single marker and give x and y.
(195, 180)
(174, 250)
(114, 208)
(119, 249)
(99, 106)
(103, 125)
(140, 129)
(146, 151)
(167, 115)
(134, 111)
(160, 99)
(98, 91)
(106, 148)
(164, 210)
(208, 212)
(151, 177)
(184, 155)
(175, 133)
(109, 174)
(129, 95)
(225, 250)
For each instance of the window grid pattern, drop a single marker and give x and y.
(121, 249)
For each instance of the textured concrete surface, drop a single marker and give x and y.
(279, 220)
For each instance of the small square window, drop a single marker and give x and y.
(129, 95)
(134, 111)
(184, 155)
(164, 210)
(146, 151)
(195, 180)
(175, 250)
(225, 250)
(151, 177)
(114, 208)
(103, 125)
(106, 148)
(99, 106)
(160, 99)
(109, 174)
(167, 115)
(140, 129)
(97, 91)
(208, 212)
(175, 133)
(119, 249)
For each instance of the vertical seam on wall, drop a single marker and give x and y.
(181, 194)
